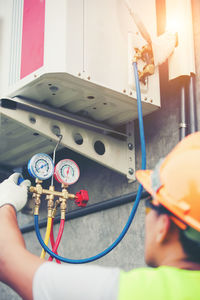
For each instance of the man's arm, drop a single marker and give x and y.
(17, 265)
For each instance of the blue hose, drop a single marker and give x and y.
(134, 209)
(139, 108)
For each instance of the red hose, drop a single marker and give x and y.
(53, 243)
(56, 244)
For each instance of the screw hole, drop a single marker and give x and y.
(90, 97)
(32, 120)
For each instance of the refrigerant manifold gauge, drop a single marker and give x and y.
(66, 172)
(41, 166)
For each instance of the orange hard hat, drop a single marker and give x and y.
(175, 182)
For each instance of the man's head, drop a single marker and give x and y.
(174, 220)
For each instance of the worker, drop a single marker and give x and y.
(172, 242)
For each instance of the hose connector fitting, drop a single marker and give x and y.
(50, 203)
(63, 207)
(57, 202)
(37, 204)
(37, 190)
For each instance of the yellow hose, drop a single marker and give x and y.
(47, 235)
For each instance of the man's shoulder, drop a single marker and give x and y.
(159, 283)
(152, 273)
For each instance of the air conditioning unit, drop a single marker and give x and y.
(73, 57)
(76, 55)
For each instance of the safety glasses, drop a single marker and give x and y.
(159, 209)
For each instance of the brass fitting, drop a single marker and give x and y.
(138, 55)
(146, 55)
(72, 196)
(50, 203)
(147, 70)
(37, 204)
(63, 207)
(50, 195)
(37, 190)
(55, 208)
(63, 200)
(64, 191)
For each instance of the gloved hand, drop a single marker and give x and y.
(12, 193)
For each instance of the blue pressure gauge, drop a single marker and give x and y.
(41, 166)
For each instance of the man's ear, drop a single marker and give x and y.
(163, 227)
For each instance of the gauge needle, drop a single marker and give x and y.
(67, 171)
(42, 166)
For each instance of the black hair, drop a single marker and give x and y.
(190, 247)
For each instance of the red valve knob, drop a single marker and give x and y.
(82, 198)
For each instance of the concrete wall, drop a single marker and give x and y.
(89, 235)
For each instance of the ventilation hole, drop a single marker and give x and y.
(78, 139)
(99, 147)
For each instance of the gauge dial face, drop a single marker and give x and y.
(41, 166)
(67, 171)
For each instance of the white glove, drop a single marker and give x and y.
(12, 193)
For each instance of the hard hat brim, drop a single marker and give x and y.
(144, 177)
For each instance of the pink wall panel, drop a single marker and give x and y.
(32, 55)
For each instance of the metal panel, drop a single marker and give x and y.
(16, 41)
(84, 98)
(179, 19)
(88, 61)
(21, 143)
(110, 38)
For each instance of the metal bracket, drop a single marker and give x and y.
(131, 151)
(116, 154)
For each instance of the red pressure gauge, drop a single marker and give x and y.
(66, 171)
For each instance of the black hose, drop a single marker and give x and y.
(93, 208)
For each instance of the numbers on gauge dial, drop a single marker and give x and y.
(66, 171)
(41, 166)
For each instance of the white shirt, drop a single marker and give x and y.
(75, 282)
